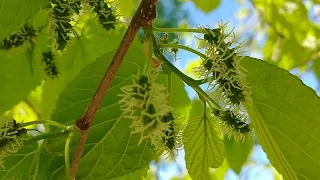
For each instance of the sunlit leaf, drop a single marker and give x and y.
(316, 68)
(206, 5)
(285, 116)
(203, 146)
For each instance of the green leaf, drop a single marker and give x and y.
(220, 172)
(126, 7)
(206, 5)
(92, 44)
(24, 160)
(16, 77)
(111, 150)
(288, 45)
(203, 146)
(136, 175)
(14, 13)
(21, 68)
(237, 152)
(316, 68)
(285, 115)
(179, 98)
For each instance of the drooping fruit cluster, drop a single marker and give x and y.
(26, 33)
(173, 137)
(225, 76)
(50, 66)
(11, 137)
(61, 17)
(146, 104)
(169, 139)
(233, 124)
(105, 14)
(222, 68)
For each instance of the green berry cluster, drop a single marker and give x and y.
(106, 15)
(26, 33)
(233, 124)
(11, 137)
(147, 105)
(61, 15)
(222, 68)
(50, 67)
(225, 76)
(169, 139)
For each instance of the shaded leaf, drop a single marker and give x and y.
(237, 152)
(285, 115)
(24, 160)
(14, 13)
(16, 77)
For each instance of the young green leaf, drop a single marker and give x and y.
(285, 116)
(203, 146)
(237, 152)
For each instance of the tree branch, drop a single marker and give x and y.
(144, 16)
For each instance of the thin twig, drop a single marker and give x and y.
(144, 16)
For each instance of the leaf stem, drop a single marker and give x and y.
(188, 80)
(35, 175)
(66, 154)
(47, 135)
(171, 45)
(206, 97)
(174, 30)
(53, 123)
(149, 54)
(169, 85)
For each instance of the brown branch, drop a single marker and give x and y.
(144, 16)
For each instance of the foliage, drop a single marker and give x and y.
(278, 114)
(54, 54)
